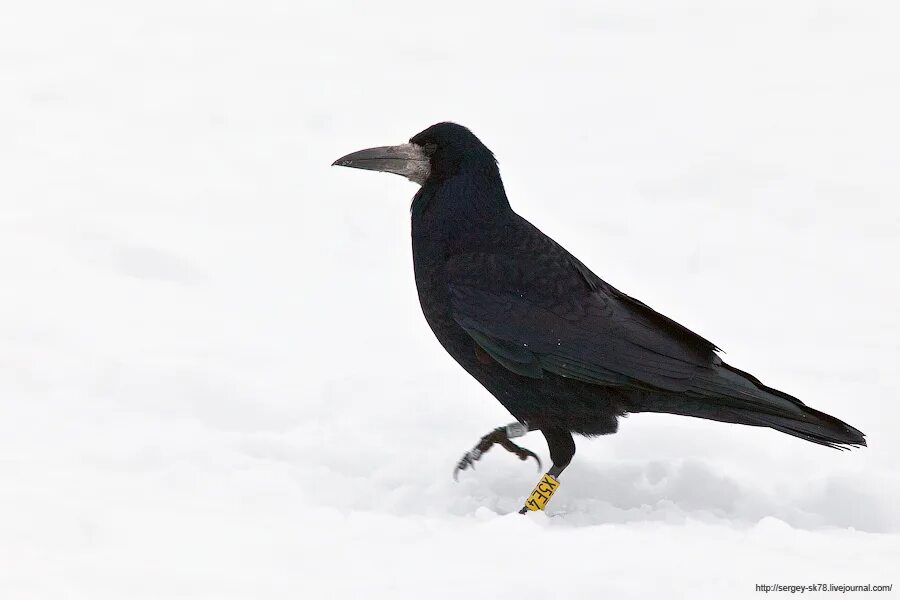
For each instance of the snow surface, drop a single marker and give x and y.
(215, 381)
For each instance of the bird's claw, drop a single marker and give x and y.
(468, 460)
(498, 436)
(525, 454)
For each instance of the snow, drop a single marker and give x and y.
(215, 381)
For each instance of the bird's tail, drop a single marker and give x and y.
(813, 426)
(782, 412)
(741, 398)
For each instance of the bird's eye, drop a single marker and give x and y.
(430, 149)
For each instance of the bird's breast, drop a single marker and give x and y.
(430, 254)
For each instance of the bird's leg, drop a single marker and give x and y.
(501, 435)
(562, 449)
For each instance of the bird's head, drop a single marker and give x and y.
(433, 155)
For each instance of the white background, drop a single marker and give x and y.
(215, 380)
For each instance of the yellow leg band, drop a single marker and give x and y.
(542, 493)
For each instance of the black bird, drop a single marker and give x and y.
(564, 351)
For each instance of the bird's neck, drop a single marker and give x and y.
(461, 214)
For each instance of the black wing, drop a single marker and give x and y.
(549, 313)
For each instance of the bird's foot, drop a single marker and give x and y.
(500, 435)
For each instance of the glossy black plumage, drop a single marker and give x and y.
(561, 349)
(569, 350)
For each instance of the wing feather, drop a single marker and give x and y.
(536, 314)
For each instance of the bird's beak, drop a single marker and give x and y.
(408, 160)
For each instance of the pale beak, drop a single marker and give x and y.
(408, 160)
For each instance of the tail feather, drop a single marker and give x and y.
(742, 398)
(809, 424)
(815, 426)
